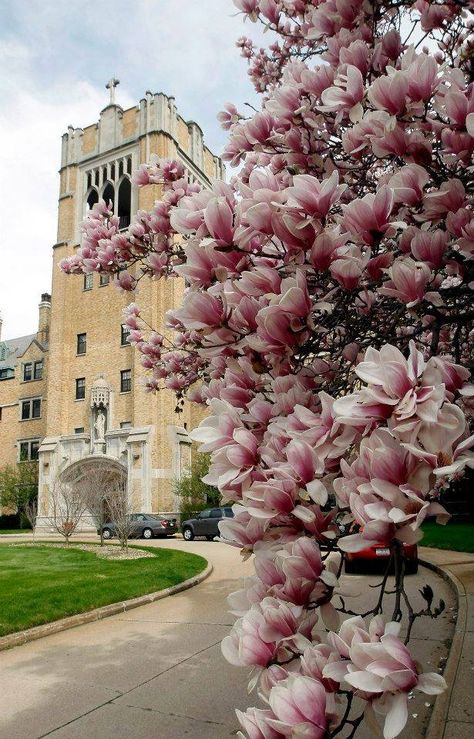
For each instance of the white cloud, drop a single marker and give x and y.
(56, 58)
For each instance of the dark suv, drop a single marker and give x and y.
(205, 523)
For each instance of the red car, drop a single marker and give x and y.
(376, 557)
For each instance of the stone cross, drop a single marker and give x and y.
(111, 85)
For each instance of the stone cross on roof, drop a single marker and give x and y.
(111, 85)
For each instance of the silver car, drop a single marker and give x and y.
(144, 526)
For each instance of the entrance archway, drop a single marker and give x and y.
(98, 481)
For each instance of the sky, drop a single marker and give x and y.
(56, 58)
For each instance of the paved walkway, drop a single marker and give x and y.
(157, 672)
(459, 709)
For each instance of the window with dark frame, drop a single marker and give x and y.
(104, 279)
(27, 371)
(88, 281)
(79, 430)
(125, 381)
(81, 343)
(38, 370)
(125, 330)
(33, 371)
(30, 409)
(29, 450)
(80, 388)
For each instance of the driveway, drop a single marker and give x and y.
(157, 672)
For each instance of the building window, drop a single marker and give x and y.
(104, 279)
(30, 409)
(125, 424)
(124, 332)
(33, 371)
(81, 343)
(27, 371)
(79, 430)
(38, 370)
(29, 450)
(125, 381)
(6, 373)
(80, 388)
(92, 198)
(111, 182)
(109, 196)
(88, 281)
(124, 202)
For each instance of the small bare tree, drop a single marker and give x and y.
(120, 510)
(67, 504)
(30, 509)
(97, 484)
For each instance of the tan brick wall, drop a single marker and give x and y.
(129, 123)
(12, 392)
(183, 135)
(89, 139)
(66, 214)
(209, 166)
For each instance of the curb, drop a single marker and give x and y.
(439, 714)
(63, 624)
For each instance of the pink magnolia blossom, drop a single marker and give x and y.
(379, 666)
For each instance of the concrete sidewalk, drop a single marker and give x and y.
(157, 672)
(453, 716)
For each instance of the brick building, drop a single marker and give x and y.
(91, 403)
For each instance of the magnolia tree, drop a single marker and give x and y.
(327, 325)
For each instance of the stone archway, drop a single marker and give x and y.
(97, 480)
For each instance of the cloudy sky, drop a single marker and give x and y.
(55, 58)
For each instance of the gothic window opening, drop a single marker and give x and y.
(124, 202)
(92, 199)
(108, 195)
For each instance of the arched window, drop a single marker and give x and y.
(108, 194)
(124, 202)
(92, 199)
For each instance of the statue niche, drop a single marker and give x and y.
(100, 403)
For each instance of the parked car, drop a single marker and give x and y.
(205, 523)
(143, 525)
(376, 556)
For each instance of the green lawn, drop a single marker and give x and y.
(39, 584)
(455, 535)
(15, 531)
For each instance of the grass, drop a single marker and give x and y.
(457, 536)
(15, 531)
(40, 584)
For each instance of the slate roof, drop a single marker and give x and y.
(12, 349)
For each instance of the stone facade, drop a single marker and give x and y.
(86, 350)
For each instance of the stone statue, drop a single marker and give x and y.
(99, 426)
